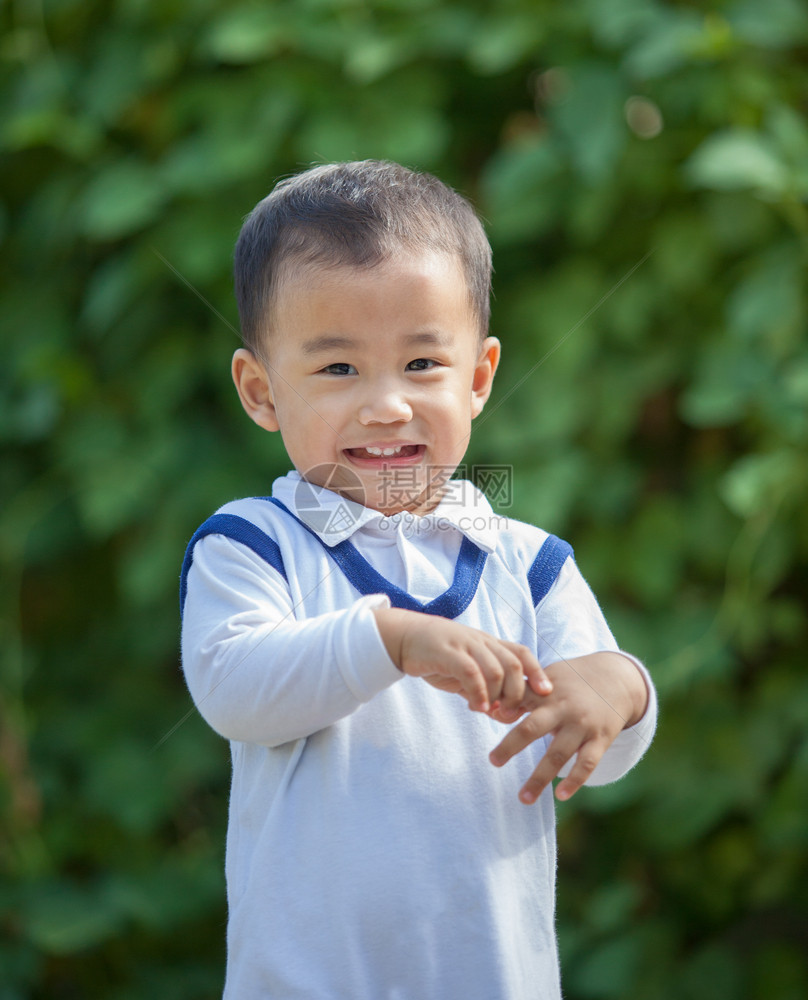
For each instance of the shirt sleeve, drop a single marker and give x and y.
(570, 623)
(256, 673)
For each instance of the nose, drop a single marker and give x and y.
(385, 404)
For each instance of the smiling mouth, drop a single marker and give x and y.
(394, 452)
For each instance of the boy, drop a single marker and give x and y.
(338, 632)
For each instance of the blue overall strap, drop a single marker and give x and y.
(546, 567)
(365, 579)
(239, 530)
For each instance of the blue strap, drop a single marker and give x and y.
(546, 567)
(239, 530)
(468, 570)
(450, 604)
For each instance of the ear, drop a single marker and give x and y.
(252, 384)
(484, 370)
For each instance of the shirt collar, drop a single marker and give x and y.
(333, 518)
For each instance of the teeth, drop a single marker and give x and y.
(383, 451)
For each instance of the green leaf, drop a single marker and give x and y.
(590, 119)
(122, 199)
(757, 482)
(738, 159)
(609, 968)
(371, 57)
(781, 24)
(121, 784)
(519, 195)
(619, 22)
(789, 130)
(505, 40)
(418, 137)
(768, 305)
(247, 34)
(671, 40)
(714, 963)
(727, 381)
(780, 970)
(62, 918)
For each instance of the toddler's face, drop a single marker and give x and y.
(373, 378)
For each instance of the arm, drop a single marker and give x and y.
(600, 715)
(490, 673)
(603, 709)
(255, 672)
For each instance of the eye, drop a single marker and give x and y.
(421, 365)
(339, 368)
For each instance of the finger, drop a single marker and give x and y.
(507, 716)
(532, 669)
(513, 679)
(589, 755)
(539, 723)
(557, 755)
(492, 670)
(473, 683)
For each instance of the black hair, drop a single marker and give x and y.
(356, 214)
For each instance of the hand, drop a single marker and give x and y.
(490, 673)
(594, 698)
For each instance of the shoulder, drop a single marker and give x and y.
(251, 521)
(255, 523)
(262, 512)
(536, 552)
(522, 542)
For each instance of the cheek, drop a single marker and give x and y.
(316, 419)
(448, 406)
(454, 392)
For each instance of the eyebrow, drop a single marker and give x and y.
(320, 345)
(326, 343)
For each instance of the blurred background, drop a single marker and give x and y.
(642, 169)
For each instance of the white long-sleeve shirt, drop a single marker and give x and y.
(373, 851)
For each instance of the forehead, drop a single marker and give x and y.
(410, 297)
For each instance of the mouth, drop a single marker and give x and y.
(393, 454)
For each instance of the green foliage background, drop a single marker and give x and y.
(642, 168)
